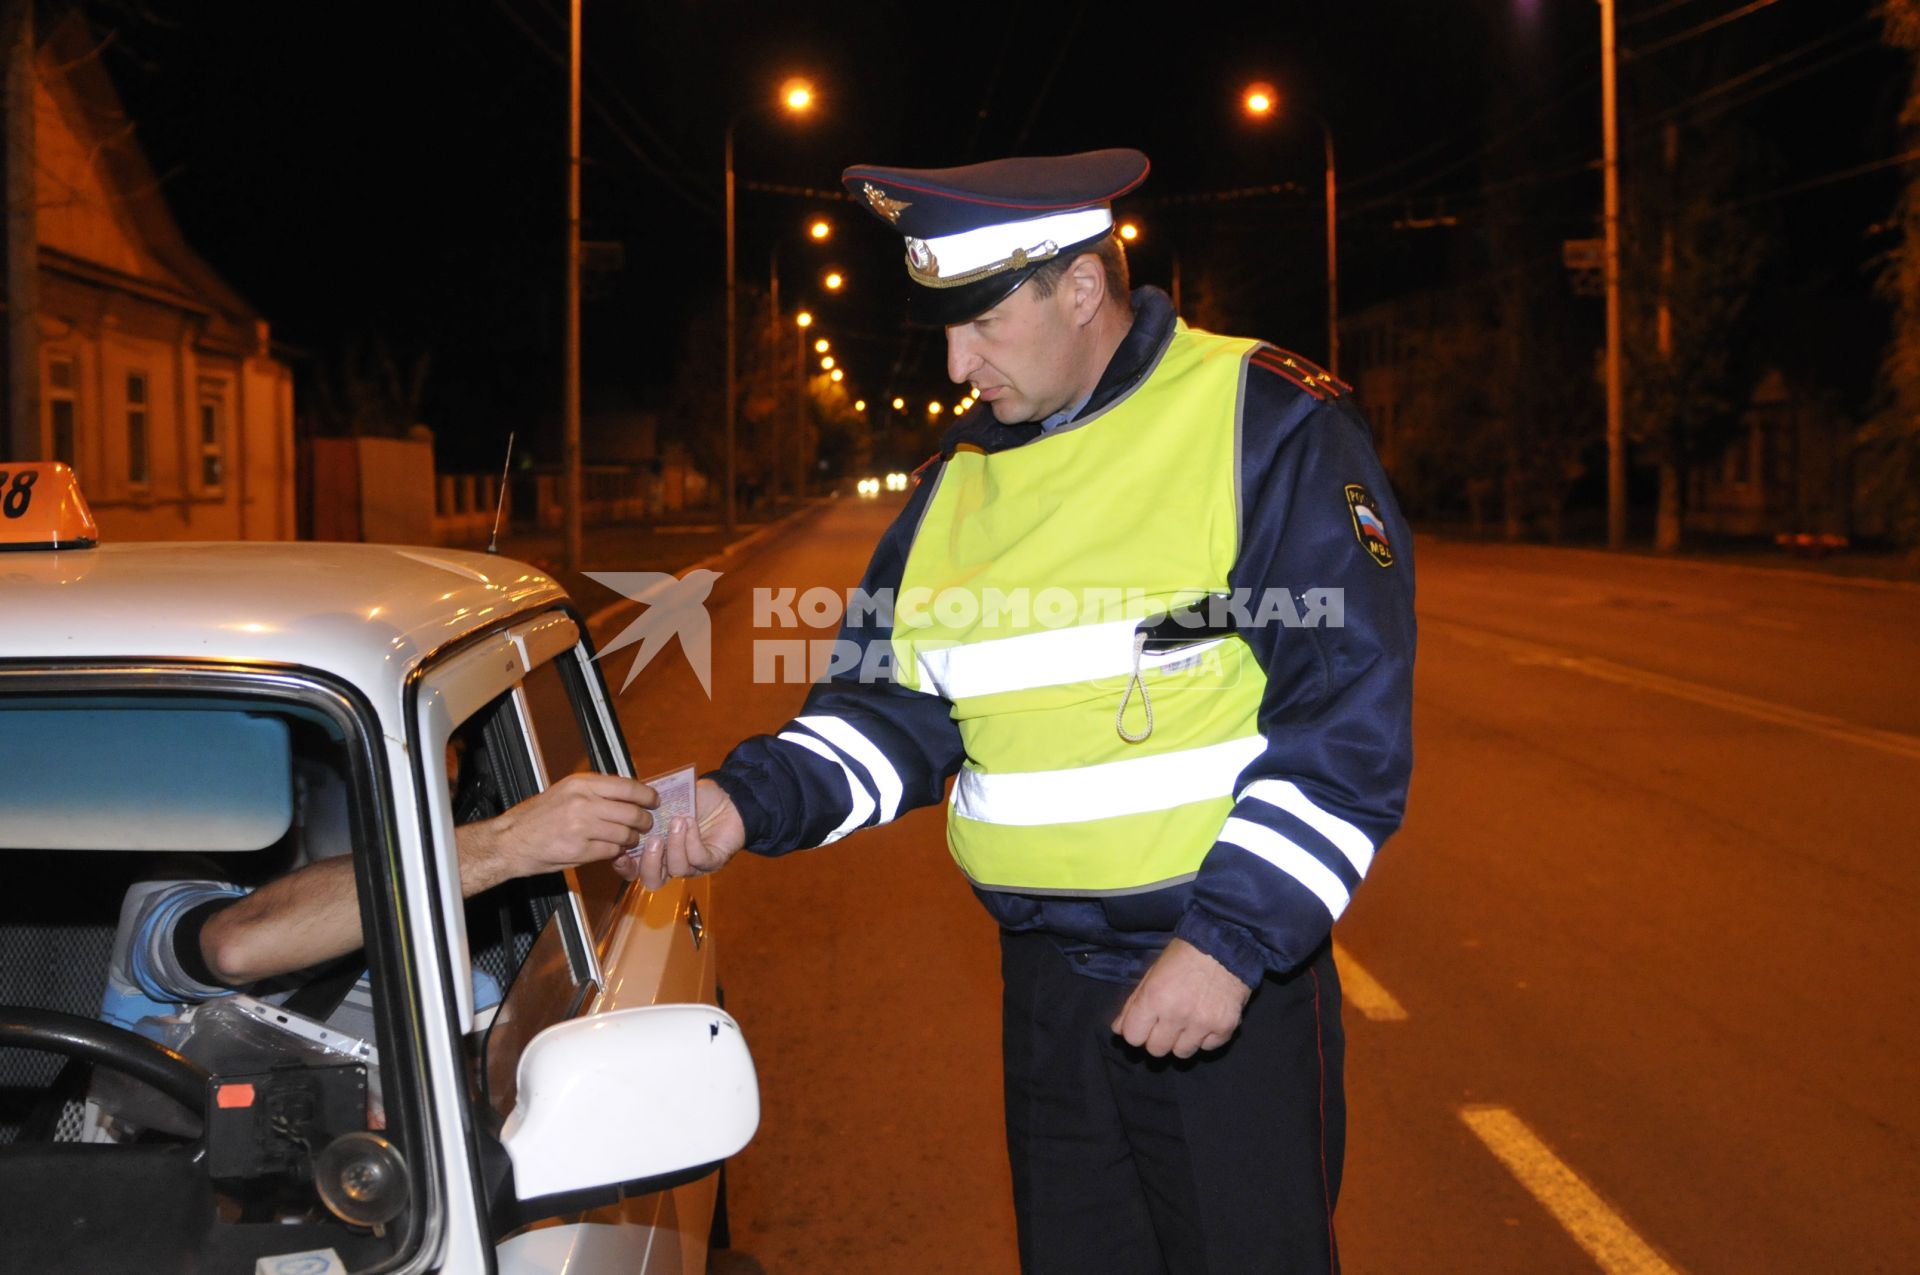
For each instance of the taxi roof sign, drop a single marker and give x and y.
(41, 508)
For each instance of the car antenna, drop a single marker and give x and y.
(500, 505)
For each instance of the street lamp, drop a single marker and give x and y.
(1129, 231)
(826, 364)
(837, 375)
(822, 346)
(797, 97)
(820, 229)
(834, 281)
(899, 405)
(1259, 102)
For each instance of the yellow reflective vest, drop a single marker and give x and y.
(1019, 603)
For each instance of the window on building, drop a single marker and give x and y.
(61, 411)
(138, 470)
(213, 434)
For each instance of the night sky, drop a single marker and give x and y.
(393, 173)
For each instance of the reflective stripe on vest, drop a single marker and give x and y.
(1123, 514)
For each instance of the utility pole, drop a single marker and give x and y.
(571, 448)
(1333, 264)
(774, 349)
(733, 337)
(21, 438)
(1616, 432)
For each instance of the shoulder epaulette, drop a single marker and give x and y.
(1307, 376)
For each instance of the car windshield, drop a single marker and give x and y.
(152, 1117)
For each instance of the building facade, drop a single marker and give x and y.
(158, 382)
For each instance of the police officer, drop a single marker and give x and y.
(1165, 812)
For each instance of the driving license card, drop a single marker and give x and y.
(675, 789)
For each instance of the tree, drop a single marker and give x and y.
(1892, 435)
(1689, 277)
(366, 392)
(764, 394)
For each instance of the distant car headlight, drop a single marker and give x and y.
(896, 482)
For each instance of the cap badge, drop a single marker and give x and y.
(920, 257)
(879, 201)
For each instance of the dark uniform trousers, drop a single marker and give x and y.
(1223, 1164)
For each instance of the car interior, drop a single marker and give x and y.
(215, 1134)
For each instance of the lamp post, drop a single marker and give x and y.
(570, 391)
(796, 96)
(819, 230)
(1259, 102)
(802, 322)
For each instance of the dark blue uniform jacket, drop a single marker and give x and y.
(1336, 715)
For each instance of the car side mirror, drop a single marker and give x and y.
(630, 1095)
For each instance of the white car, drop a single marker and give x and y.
(233, 709)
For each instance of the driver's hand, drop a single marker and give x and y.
(691, 847)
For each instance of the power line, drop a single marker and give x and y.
(700, 199)
(1737, 81)
(1824, 179)
(1659, 46)
(1655, 12)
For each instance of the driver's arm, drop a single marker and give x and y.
(312, 914)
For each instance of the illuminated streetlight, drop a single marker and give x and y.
(826, 364)
(822, 346)
(820, 229)
(1260, 101)
(935, 408)
(899, 405)
(837, 375)
(833, 281)
(860, 405)
(1129, 231)
(803, 319)
(796, 95)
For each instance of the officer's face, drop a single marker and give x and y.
(1025, 355)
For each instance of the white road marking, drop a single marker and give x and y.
(1613, 1245)
(1524, 652)
(1363, 991)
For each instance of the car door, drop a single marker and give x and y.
(579, 943)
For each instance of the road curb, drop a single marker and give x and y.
(713, 560)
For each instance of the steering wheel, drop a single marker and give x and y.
(105, 1045)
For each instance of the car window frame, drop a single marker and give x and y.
(385, 915)
(444, 693)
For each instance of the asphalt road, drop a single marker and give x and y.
(1629, 992)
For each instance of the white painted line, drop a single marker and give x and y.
(1524, 652)
(1613, 1245)
(1364, 992)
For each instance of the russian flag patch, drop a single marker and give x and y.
(1368, 526)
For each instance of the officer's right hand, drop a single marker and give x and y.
(692, 847)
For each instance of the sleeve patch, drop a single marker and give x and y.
(1369, 528)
